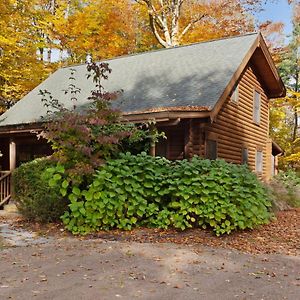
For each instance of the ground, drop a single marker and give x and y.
(162, 265)
(96, 269)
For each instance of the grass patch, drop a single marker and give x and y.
(285, 190)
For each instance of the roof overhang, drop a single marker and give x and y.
(260, 57)
(164, 116)
(276, 149)
(266, 69)
(21, 129)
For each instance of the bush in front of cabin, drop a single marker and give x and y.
(34, 198)
(124, 194)
(218, 195)
(141, 190)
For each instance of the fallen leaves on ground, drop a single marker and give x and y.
(281, 236)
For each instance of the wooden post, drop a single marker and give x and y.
(268, 160)
(152, 142)
(188, 139)
(12, 155)
(152, 149)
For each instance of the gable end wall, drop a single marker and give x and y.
(234, 128)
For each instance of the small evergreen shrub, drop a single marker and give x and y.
(150, 191)
(34, 198)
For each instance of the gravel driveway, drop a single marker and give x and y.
(69, 268)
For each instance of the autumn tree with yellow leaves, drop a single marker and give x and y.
(20, 71)
(285, 112)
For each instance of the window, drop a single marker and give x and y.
(245, 156)
(259, 161)
(256, 107)
(211, 149)
(235, 94)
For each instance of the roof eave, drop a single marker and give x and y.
(278, 91)
(235, 78)
(164, 115)
(276, 149)
(21, 128)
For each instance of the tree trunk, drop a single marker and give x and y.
(164, 21)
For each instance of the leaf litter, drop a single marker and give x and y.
(281, 236)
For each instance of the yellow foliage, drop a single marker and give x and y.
(103, 29)
(20, 71)
(282, 121)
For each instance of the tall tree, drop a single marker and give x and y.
(285, 113)
(27, 41)
(172, 21)
(51, 18)
(101, 29)
(20, 71)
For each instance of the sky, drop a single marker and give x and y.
(278, 11)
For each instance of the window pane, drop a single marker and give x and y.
(211, 149)
(259, 161)
(245, 156)
(256, 111)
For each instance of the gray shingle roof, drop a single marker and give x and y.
(194, 75)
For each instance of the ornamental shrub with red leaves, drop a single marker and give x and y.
(82, 141)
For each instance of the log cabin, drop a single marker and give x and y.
(211, 99)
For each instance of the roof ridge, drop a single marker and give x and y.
(165, 49)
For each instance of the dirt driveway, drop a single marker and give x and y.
(96, 269)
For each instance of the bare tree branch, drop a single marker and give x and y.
(192, 23)
(155, 32)
(164, 21)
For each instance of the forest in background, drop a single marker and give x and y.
(39, 36)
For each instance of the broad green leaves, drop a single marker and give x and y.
(150, 191)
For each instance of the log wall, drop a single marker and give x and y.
(234, 128)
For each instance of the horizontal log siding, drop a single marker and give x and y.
(235, 128)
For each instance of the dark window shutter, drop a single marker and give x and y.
(245, 156)
(211, 149)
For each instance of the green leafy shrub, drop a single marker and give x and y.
(125, 193)
(150, 191)
(285, 190)
(34, 198)
(216, 194)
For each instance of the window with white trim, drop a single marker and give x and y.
(259, 161)
(256, 107)
(235, 94)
